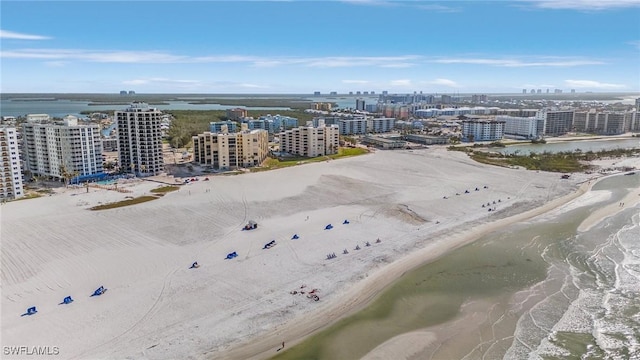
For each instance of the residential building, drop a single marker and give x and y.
(555, 122)
(426, 139)
(324, 106)
(311, 141)
(10, 168)
(482, 130)
(357, 126)
(380, 125)
(603, 122)
(360, 104)
(226, 151)
(33, 118)
(520, 127)
(62, 150)
(223, 126)
(236, 114)
(384, 142)
(110, 144)
(140, 139)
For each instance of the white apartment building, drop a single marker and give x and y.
(353, 126)
(311, 141)
(225, 151)
(10, 171)
(526, 127)
(482, 130)
(63, 150)
(140, 139)
(380, 125)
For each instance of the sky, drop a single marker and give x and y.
(298, 47)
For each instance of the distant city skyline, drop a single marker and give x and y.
(286, 47)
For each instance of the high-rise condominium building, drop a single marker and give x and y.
(62, 150)
(226, 151)
(311, 141)
(140, 139)
(10, 172)
(555, 122)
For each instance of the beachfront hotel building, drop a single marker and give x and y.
(227, 151)
(311, 141)
(519, 127)
(10, 171)
(482, 130)
(62, 150)
(140, 139)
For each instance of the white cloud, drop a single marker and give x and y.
(585, 4)
(635, 43)
(401, 83)
(4, 34)
(545, 61)
(356, 82)
(591, 84)
(157, 57)
(444, 82)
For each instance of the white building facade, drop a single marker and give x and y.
(226, 151)
(62, 150)
(311, 141)
(482, 130)
(10, 171)
(525, 127)
(140, 139)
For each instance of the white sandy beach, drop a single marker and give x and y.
(158, 308)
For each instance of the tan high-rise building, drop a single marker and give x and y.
(226, 151)
(311, 141)
(140, 139)
(10, 172)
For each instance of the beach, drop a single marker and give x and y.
(421, 204)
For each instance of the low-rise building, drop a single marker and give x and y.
(427, 139)
(384, 143)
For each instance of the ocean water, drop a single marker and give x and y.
(536, 290)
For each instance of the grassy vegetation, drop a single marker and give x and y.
(564, 162)
(164, 189)
(272, 163)
(128, 202)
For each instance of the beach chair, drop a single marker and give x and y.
(67, 300)
(295, 236)
(195, 265)
(328, 227)
(30, 311)
(99, 291)
(345, 222)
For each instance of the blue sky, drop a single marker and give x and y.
(305, 46)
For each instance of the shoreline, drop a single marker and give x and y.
(363, 293)
(158, 308)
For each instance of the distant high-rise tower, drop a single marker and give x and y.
(140, 139)
(360, 104)
(524, 91)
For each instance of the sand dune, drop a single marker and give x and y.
(157, 307)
